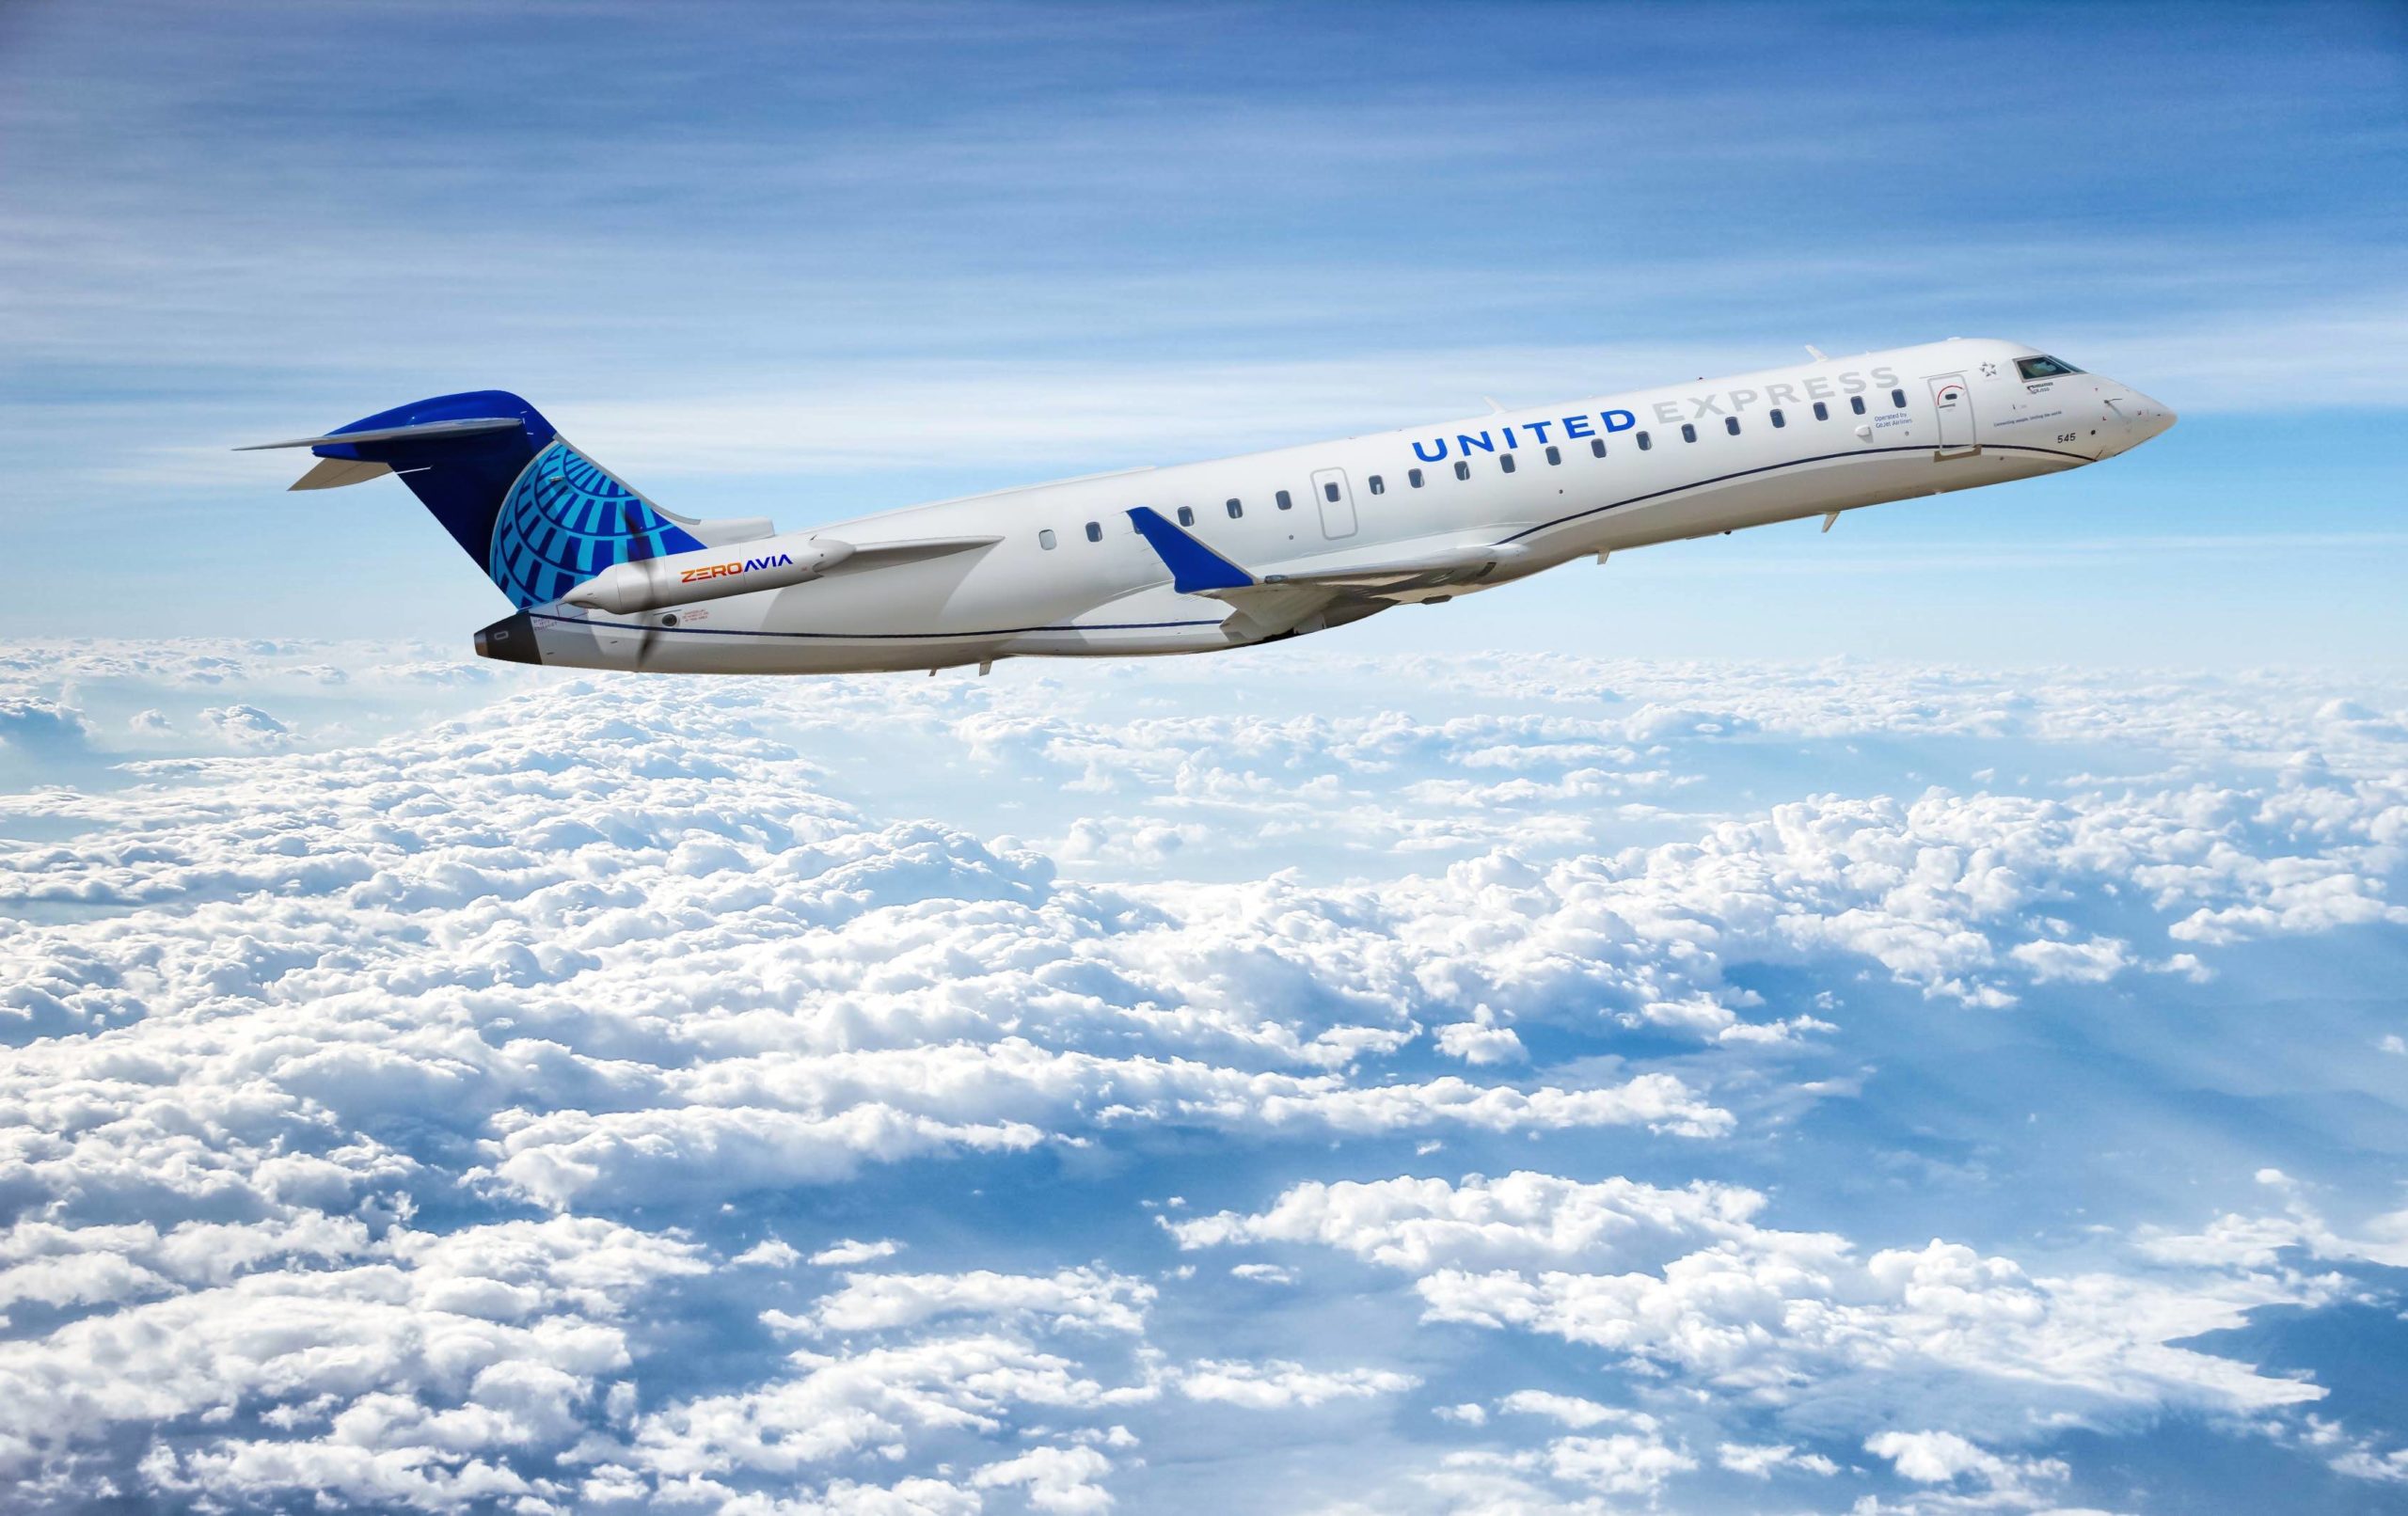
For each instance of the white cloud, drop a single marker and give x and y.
(621, 1157)
(1571, 1410)
(424, 1358)
(1277, 1384)
(1086, 1298)
(1267, 1274)
(2380, 1468)
(1759, 1460)
(42, 727)
(1945, 1457)
(1056, 1479)
(1623, 1463)
(2092, 962)
(248, 726)
(292, 1021)
(1481, 1041)
(1686, 1281)
(832, 1407)
(1485, 1484)
(2256, 1241)
(1424, 1224)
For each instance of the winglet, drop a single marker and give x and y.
(1194, 567)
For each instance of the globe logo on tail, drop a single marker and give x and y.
(566, 519)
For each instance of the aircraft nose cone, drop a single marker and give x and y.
(2130, 418)
(2150, 418)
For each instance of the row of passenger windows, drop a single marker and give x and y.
(1187, 514)
(1688, 433)
(1505, 462)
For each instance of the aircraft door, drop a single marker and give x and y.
(1952, 399)
(1337, 500)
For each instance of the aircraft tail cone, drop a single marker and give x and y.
(512, 640)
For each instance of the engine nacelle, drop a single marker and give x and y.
(708, 574)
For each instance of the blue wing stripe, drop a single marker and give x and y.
(1193, 566)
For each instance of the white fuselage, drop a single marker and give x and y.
(1069, 574)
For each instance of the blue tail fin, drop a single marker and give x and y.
(537, 515)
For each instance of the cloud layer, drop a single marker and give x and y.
(634, 1095)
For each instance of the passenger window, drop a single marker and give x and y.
(1236, 510)
(1731, 424)
(1822, 412)
(1554, 456)
(1688, 432)
(1645, 442)
(1186, 517)
(1506, 463)
(1045, 539)
(1778, 419)
(1285, 503)
(1328, 492)
(1897, 400)
(1094, 532)
(1463, 469)
(1856, 403)
(1597, 446)
(1412, 477)
(1378, 488)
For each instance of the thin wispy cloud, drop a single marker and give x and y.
(857, 257)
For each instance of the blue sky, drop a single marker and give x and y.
(814, 261)
(1906, 1023)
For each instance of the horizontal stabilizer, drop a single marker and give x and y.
(334, 473)
(423, 432)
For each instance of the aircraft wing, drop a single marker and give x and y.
(1279, 599)
(1411, 571)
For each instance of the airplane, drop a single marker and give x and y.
(1206, 556)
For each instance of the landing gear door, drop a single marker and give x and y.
(1953, 399)
(1337, 501)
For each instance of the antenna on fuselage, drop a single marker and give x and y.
(1820, 357)
(1493, 409)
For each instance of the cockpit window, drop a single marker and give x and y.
(2044, 367)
